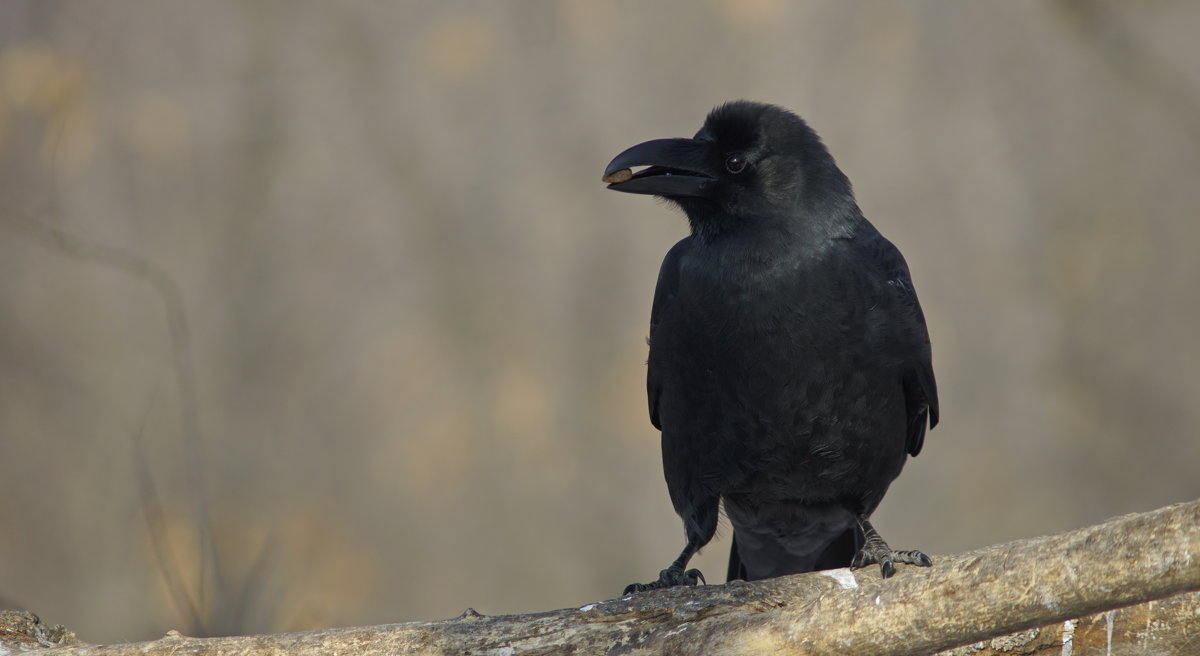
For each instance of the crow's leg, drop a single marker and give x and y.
(675, 574)
(875, 550)
(700, 523)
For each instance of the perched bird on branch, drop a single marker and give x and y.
(789, 367)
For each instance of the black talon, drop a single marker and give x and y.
(912, 557)
(887, 569)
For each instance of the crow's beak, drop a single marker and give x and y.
(677, 167)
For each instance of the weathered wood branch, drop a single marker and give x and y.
(1033, 588)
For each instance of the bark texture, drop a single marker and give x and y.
(1095, 590)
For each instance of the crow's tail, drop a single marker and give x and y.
(737, 570)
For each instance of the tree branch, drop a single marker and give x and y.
(1015, 587)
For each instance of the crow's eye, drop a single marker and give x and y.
(735, 164)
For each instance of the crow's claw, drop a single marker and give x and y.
(669, 578)
(875, 550)
(887, 559)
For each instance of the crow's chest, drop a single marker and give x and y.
(755, 321)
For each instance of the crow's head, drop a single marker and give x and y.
(749, 160)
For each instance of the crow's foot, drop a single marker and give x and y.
(887, 559)
(668, 578)
(875, 550)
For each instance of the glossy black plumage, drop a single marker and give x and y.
(789, 367)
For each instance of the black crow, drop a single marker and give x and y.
(789, 366)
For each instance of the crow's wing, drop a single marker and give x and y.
(911, 336)
(664, 295)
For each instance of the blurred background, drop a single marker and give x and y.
(316, 314)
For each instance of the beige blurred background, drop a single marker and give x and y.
(318, 314)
